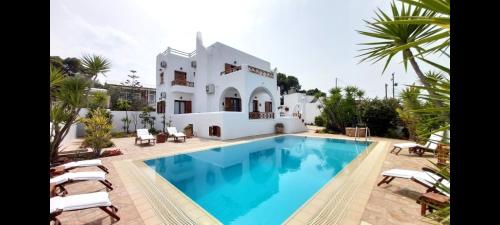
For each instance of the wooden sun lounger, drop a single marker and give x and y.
(59, 204)
(414, 176)
(62, 180)
(69, 165)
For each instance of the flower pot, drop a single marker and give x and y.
(161, 138)
(188, 133)
(351, 131)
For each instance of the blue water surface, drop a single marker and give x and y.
(260, 182)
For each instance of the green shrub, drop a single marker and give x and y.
(319, 121)
(97, 131)
(381, 117)
(118, 134)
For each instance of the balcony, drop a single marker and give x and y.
(183, 83)
(261, 115)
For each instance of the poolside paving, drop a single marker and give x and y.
(387, 204)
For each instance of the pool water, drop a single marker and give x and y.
(259, 182)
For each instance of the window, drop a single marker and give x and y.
(181, 107)
(161, 78)
(160, 107)
(152, 97)
(214, 131)
(232, 104)
(228, 68)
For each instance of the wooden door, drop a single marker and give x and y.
(187, 107)
(269, 107)
(255, 106)
(228, 104)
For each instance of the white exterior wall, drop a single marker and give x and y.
(208, 108)
(233, 124)
(301, 103)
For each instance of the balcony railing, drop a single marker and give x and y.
(260, 72)
(181, 53)
(261, 115)
(183, 83)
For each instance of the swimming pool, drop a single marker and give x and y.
(259, 182)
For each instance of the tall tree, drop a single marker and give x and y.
(287, 82)
(134, 86)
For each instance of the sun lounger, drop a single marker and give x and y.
(59, 204)
(419, 149)
(70, 177)
(144, 135)
(84, 163)
(172, 131)
(427, 178)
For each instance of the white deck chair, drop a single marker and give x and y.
(60, 204)
(85, 163)
(425, 178)
(172, 131)
(431, 144)
(144, 135)
(70, 177)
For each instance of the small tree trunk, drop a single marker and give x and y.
(421, 76)
(126, 122)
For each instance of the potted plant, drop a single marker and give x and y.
(188, 130)
(279, 127)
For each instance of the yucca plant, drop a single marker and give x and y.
(394, 35)
(441, 18)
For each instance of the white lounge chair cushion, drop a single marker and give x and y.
(80, 201)
(173, 131)
(83, 163)
(430, 179)
(407, 174)
(98, 175)
(146, 137)
(406, 145)
(426, 178)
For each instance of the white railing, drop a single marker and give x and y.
(179, 52)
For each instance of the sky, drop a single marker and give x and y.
(316, 41)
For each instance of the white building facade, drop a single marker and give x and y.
(301, 105)
(223, 92)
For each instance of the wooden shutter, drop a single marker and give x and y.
(227, 104)
(187, 107)
(217, 131)
(227, 68)
(269, 106)
(180, 75)
(255, 106)
(210, 131)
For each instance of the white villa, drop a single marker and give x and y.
(305, 106)
(223, 92)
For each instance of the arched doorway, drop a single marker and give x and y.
(261, 104)
(230, 100)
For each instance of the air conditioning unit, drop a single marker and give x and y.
(193, 64)
(210, 88)
(163, 95)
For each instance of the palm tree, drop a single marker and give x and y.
(71, 95)
(441, 18)
(64, 110)
(94, 65)
(395, 35)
